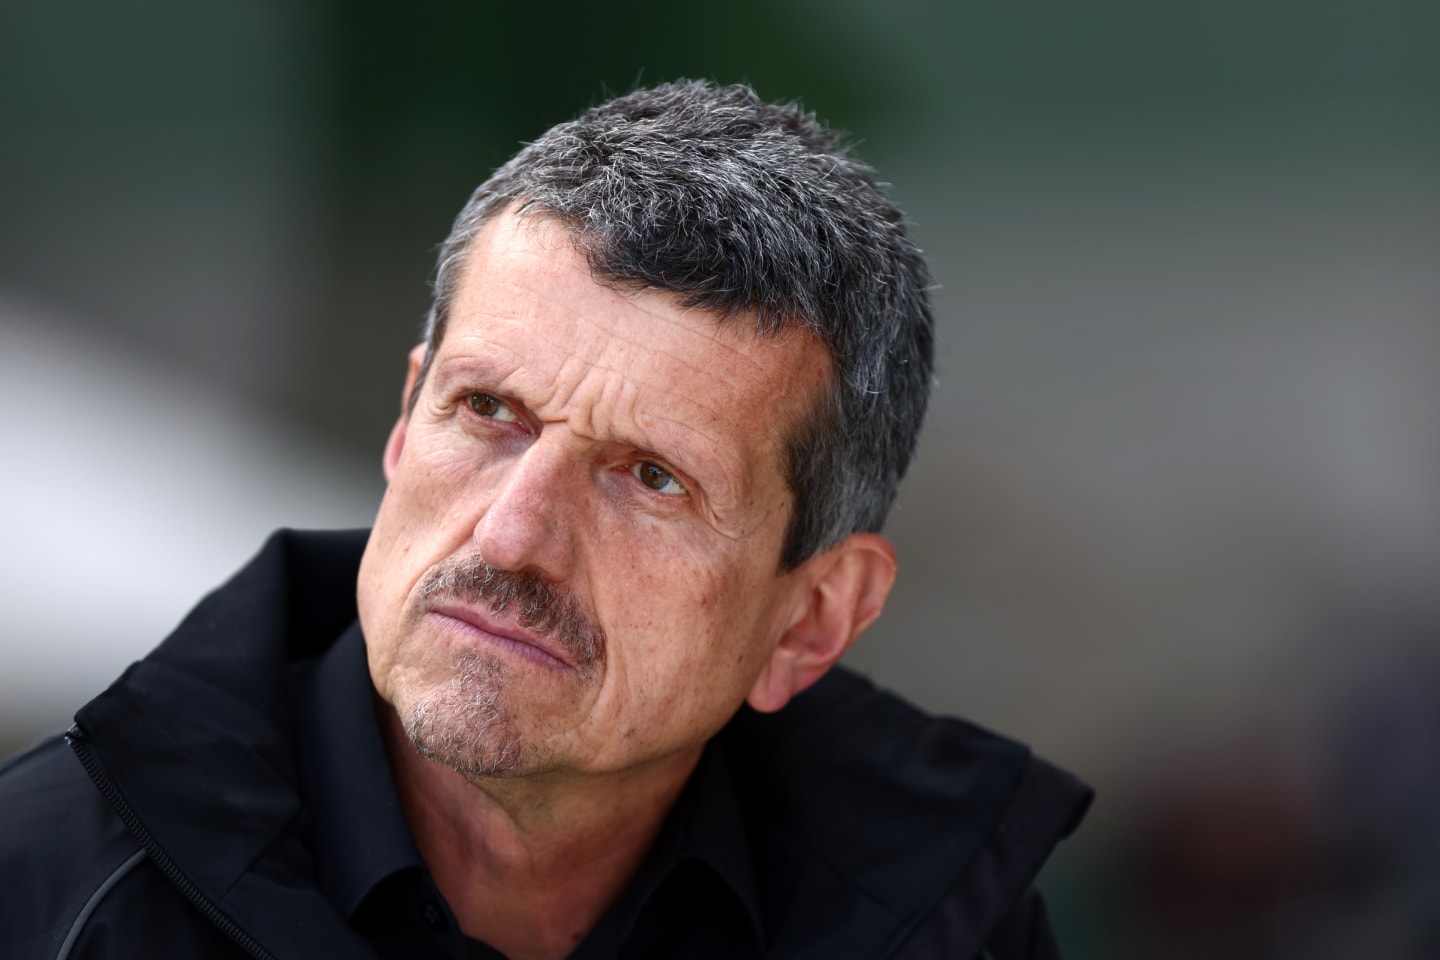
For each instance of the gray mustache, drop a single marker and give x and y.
(536, 605)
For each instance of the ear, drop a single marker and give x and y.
(842, 592)
(395, 445)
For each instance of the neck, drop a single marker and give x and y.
(529, 864)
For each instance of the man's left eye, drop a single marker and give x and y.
(491, 408)
(657, 478)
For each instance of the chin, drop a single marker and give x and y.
(464, 722)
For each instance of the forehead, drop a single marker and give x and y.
(625, 365)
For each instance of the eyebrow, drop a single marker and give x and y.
(479, 362)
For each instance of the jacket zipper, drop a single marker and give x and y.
(76, 737)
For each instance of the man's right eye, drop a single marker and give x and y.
(491, 408)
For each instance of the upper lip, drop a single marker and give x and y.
(504, 628)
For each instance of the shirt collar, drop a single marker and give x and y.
(704, 826)
(360, 835)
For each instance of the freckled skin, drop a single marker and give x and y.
(598, 380)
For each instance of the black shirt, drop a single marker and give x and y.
(693, 897)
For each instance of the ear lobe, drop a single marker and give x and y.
(845, 591)
(395, 444)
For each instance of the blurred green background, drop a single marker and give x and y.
(1175, 519)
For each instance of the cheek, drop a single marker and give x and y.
(685, 625)
(434, 469)
(433, 490)
(416, 525)
(652, 577)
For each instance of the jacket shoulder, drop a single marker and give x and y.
(930, 828)
(76, 882)
(59, 843)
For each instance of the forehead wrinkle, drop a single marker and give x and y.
(620, 404)
(488, 369)
(732, 340)
(659, 305)
(607, 350)
(680, 370)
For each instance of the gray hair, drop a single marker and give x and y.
(748, 210)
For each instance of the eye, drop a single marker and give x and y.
(490, 408)
(657, 478)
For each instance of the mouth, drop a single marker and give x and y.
(487, 628)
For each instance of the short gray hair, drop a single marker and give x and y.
(749, 210)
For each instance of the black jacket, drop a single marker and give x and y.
(164, 823)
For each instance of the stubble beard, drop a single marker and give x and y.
(465, 727)
(467, 723)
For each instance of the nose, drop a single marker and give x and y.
(527, 525)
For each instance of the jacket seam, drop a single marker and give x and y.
(100, 893)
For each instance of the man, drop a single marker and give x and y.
(578, 700)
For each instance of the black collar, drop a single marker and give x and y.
(358, 831)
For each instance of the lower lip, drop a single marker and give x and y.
(527, 651)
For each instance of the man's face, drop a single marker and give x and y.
(617, 463)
